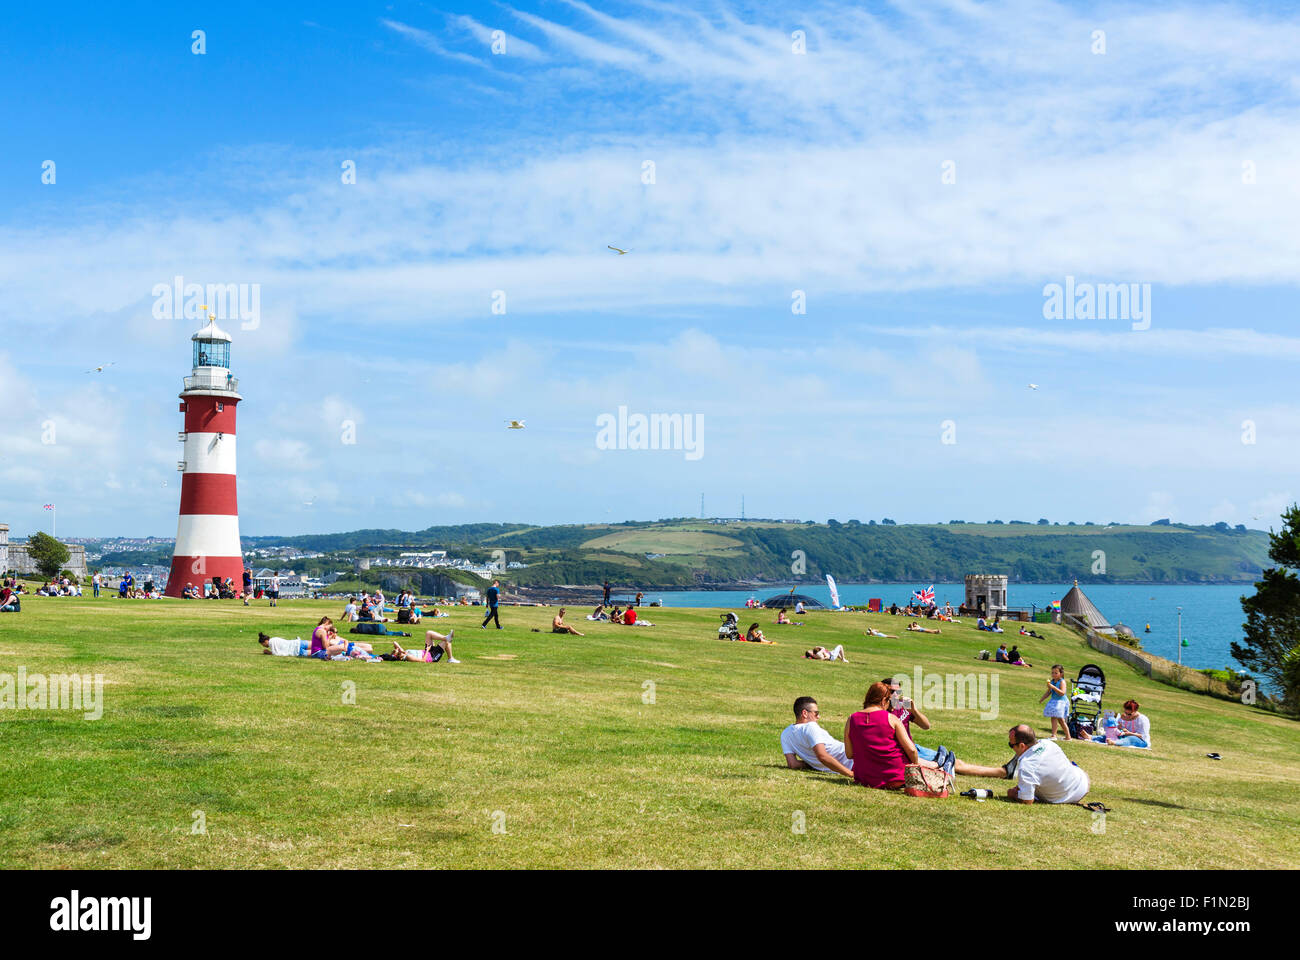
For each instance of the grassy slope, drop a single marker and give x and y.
(559, 740)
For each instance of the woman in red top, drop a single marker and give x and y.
(877, 742)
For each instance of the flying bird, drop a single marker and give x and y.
(101, 367)
(309, 503)
(1033, 386)
(515, 424)
(617, 250)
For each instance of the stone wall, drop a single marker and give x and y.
(4, 547)
(20, 561)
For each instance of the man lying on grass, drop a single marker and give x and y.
(280, 647)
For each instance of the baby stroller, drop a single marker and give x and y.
(730, 629)
(1085, 701)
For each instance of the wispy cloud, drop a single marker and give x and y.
(430, 42)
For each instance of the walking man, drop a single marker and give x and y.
(275, 589)
(493, 597)
(607, 593)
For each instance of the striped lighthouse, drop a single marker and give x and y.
(207, 534)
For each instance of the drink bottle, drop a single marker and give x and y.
(977, 794)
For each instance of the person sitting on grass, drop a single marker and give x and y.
(280, 647)
(781, 618)
(755, 635)
(807, 745)
(799, 608)
(559, 626)
(1044, 772)
(435, 645)
(9, 601)
(325, 643)
(599, 613)
(917, 628)
(1001, 656)
(1014, 657)
(877, 742)
(1134, 728)
(821, 653)
(629, 617)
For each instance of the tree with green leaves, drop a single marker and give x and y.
(1272, 627)
(47, 553)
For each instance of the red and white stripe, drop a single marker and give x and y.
(207, 533)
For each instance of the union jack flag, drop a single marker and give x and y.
(924, 596)
(49, 506)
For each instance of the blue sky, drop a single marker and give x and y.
(920, 173)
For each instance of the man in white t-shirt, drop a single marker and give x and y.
(280, 647)
(1045, 772)
(806, 744)
(350, 611)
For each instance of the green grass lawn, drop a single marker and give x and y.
(550, 741)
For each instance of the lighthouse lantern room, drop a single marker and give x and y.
(207, 533)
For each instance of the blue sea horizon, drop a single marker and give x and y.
(1211, 613)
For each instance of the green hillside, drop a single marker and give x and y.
(694, 552)
(684, 553)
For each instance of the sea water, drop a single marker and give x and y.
(1211, 613)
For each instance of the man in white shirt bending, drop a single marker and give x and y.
(806, 744)
(1045, 772)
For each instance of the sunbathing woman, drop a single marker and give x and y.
(755, 635)
(432, 641)
(917, 628)
(325, 643)
(873, 632)
(781, 617)
(821, 653)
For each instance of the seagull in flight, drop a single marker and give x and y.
(515, 424)
(309, 503)
(101, 368)
(1033, 386)
(617, 250)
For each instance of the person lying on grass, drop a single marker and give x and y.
(755, 635)
(435, 645)
(559, 626)
(280, 647)
(821, 653)
(917, 628)
(1044, 772)
(873, 632)
(807, 746)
